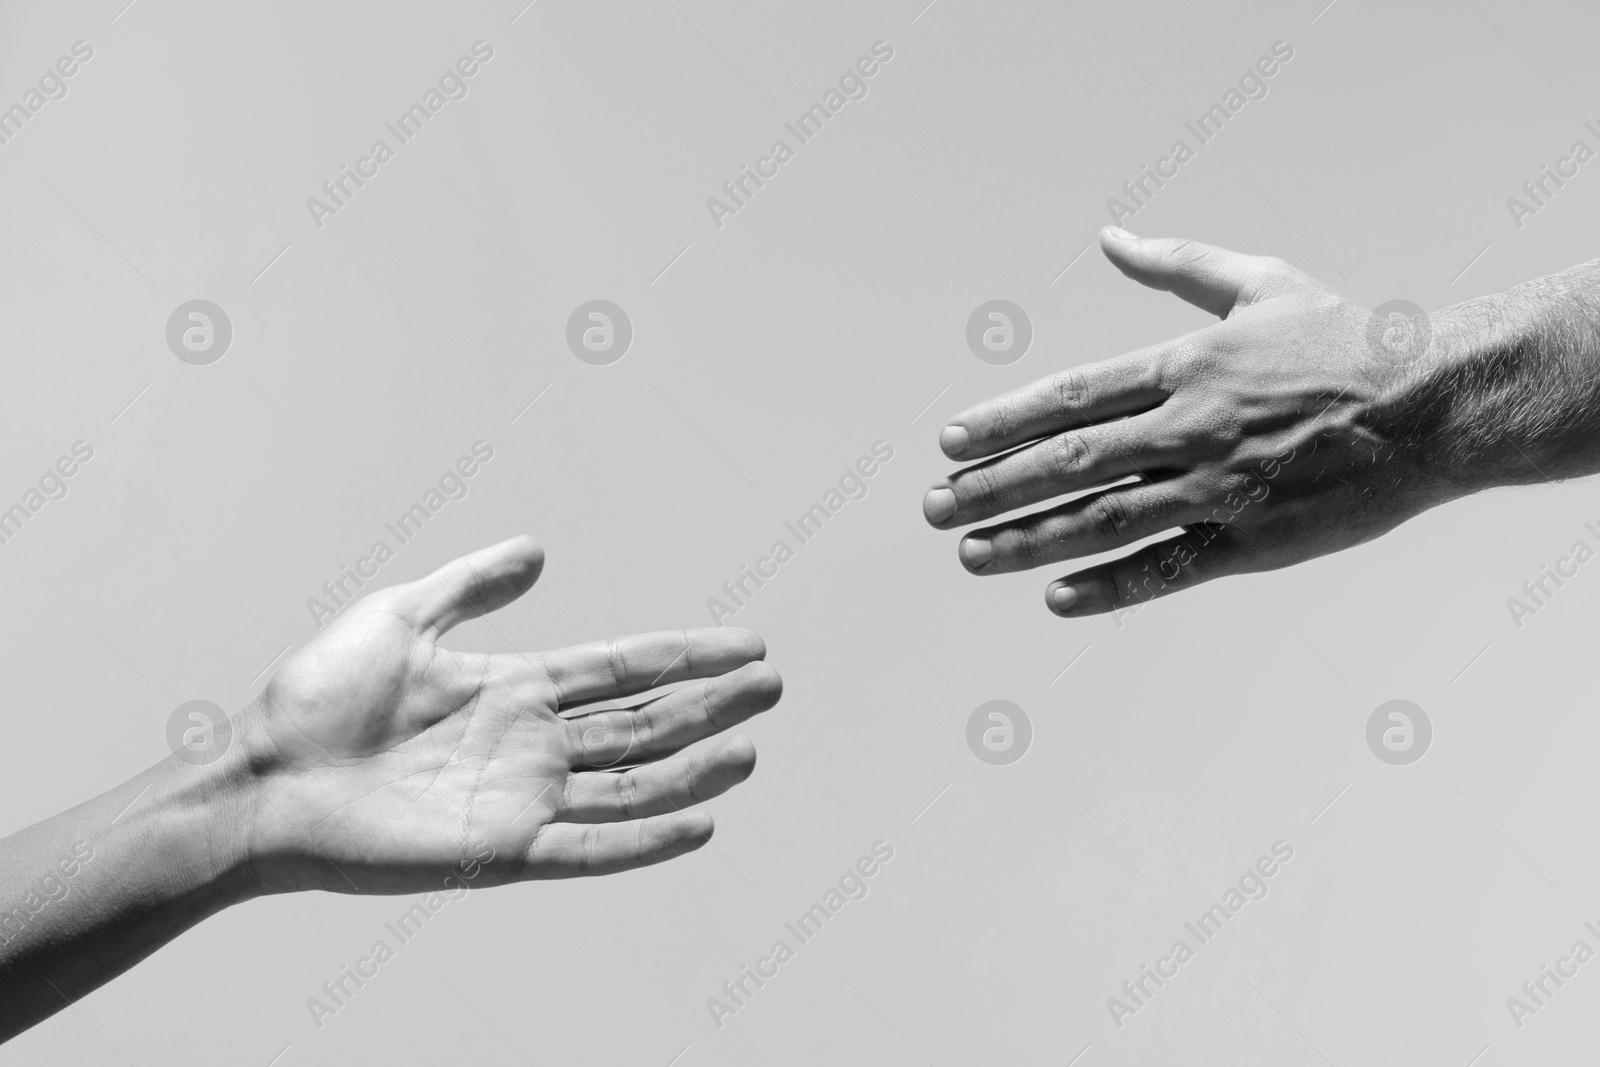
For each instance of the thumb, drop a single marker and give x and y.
(1208, 277)
(473, 585)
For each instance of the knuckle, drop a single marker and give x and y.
(627, 794)
(641, 730)
(1161, 369)
(576, 742)
(1071, 389)
(1119, 587)
(688, 784)
(1178, 357)
(1005, 418)
(709, 702)
(1108, 517)
(1200, 259)
(1185, 494)
(1186, 252)
(985, 487)
(616, 662)
(1239, 537)
(1067, 456)
(1031, 545)
(542, 674)
(1203, 360)
(531, 856)
(587, 847)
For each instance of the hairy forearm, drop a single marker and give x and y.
(1510, 392)
(87, 894)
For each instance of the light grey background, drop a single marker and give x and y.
(827, 315)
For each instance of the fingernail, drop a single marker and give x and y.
(976, 553)
(1122, 235)
(939, 504)
(954, 440)
(1062, 597)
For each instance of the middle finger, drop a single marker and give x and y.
(674, 720)
(1053, 466)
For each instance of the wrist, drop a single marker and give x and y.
(1509, 391)
(194, 817)
(1447, 403)
(267, 800)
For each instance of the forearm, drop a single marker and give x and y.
(90, 892)
(1509, 393)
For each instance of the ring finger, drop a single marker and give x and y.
(1091, 524)
(657, 788)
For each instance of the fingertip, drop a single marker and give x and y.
(1061, 598)
(528, 553)
(747, 642)
(738, 753)
(763, 679)
(1080, 595)
(975, 553)
(472, 585)
(692, 828)
(773, 683)
(954, 440)
(939, 505)
(518, 560)
(1120, 247)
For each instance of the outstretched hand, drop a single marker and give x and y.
(382, 759)
(1275, 436)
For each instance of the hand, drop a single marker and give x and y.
(383, 761)
(1275, 436)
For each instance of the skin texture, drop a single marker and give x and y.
(1299, 425)
(376, 761)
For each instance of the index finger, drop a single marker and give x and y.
(623, 666)
(1068, 400)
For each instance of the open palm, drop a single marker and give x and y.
(385, 761)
